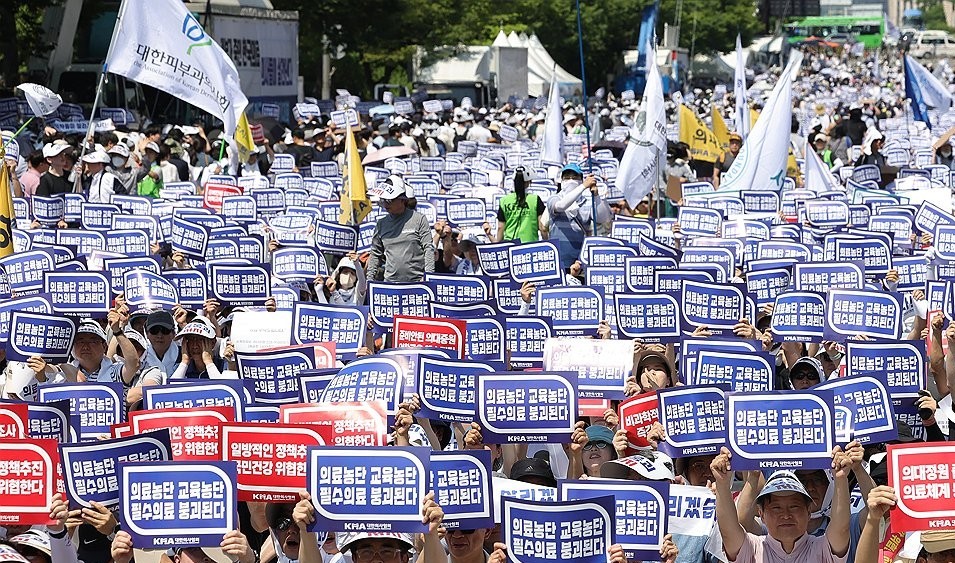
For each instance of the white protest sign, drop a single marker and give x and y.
(256, 330)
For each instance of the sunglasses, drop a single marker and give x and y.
(157, 330)
(590, 446)
(804, 376)
(283, 524)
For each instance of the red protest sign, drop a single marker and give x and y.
(270, 458)
(14, 420)
(193, 433)
(324, 353)
(426, 332)
(923, 476)
(341, 424)
(592, 407)
(213, 194)
(28, 481)
(637, 415)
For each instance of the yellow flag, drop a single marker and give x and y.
(243, 138)
(720, 130)
(354, 201)
(6, 208)
(703, 143)
(753, 116)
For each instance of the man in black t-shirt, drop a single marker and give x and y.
(54, 181)
(303, 153)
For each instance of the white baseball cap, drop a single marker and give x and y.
(56, 147)
(199, 326)
(152, 146)
(392, 188)
(344, 540)
(96, 156)
(783, 483)
(91, 327)
(119, 149)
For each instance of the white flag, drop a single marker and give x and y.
(161, 44)
(41, 99)
(818, 176)
(761, 163)
(739, 92)
(552, 145)
(640, 166)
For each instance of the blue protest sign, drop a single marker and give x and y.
(484, 340)
(343, 325)
(739, 371)
(875, 254)
(189, 238)
(98, 216)
(132, 205)
(495, 259)
(760, 201)
(239, 285)
(466, 211)
(53, 421)
(182, 504)
(389, 299)
(219, 249)
(903, 363)
(542, 532)
(535, 262)
(867, 397)
(239, 208)
(781, 429)
(507, 295)
(629, 230)
(694, 419)
(268, 200)
(640, 271)
(517, 407)
(692, 347)
(298, 263)
(78, 293)
(454, 289)
(722, 257)
(640, 515)
(190, 286)
(147, 290)
(91, 470)
(461, 483)
(372, 378)
(24, 270)
(189, 394)
(718, 307)
(48, 210)
(870, 313)
(799, 316)
(899, 226)
(99, 405)
(765, 285)
(85, 241)
(572, 309)
(37, 334)
(912, 271)
(651, 247)
(275, 374)
(930, 215)
(446, 388)
(334, 238)
(602, 366)
(700, 221)
(130, 242)
(823, 276)
(651, 317)
(385, 488)
(826, 214)
(525, 340)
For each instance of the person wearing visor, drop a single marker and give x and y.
(198, 341)
(785, 508)
(401, 247)
(805, 373)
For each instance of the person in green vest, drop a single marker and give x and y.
(519, 214)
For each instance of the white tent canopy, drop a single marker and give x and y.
(474, 63)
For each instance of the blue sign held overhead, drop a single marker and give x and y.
(543, 532)
(515, 407)
(461, 483)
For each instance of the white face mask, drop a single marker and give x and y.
(118, 162)
(568, 184)
(347, 280)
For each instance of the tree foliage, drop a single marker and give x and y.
(21, 36)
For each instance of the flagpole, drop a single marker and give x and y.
(20, 130)
(583, 78)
